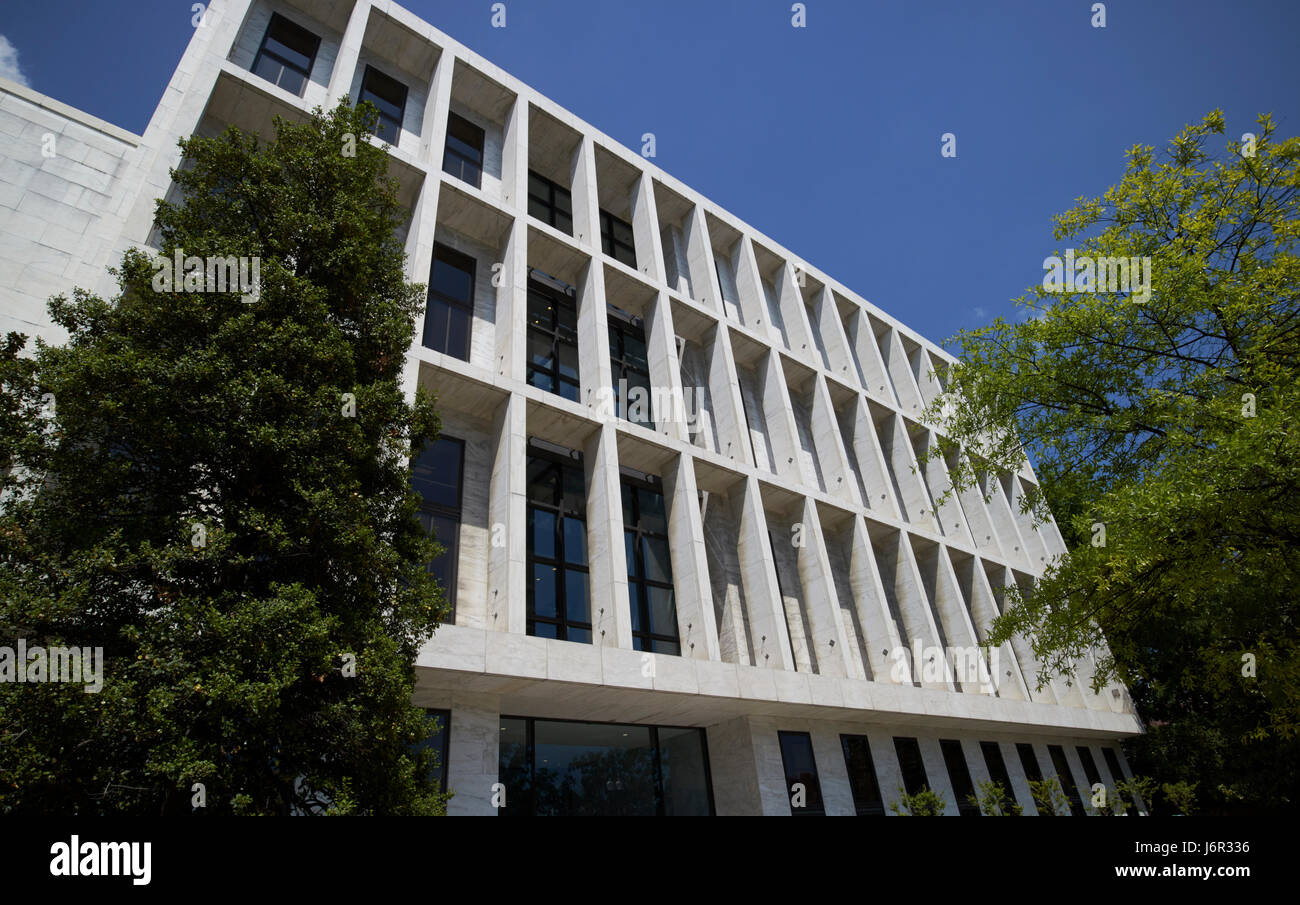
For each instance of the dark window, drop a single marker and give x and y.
(630, 368)
(1062, 767)
(998, 771)
(959, 774)
(439, 732)
(437, 475)
(559, 602)
(801, 767)
(616, 239)
(451, 303)
(552, 336)
(862, 776)
(389, 96)
(1029, 761)
(286, 55)
(1112, 764)
(911, 764)
(576, 769)
(463, 155)
(550, 203)
(1089, 765)
(649, 569)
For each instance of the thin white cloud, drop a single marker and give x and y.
(9, 67)
(981, 313)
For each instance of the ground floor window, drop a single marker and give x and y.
(577, 769)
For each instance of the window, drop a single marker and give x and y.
(579, 769)
(862, 776)
(649, 569)
(616, 239)
(1112, 764)
(911, 764)
(629, 367)
(1062, 767)
(1029, 761)
(1089, 766)
(801, 769)
(998, 771)
(463, 155)
(552, 335)
(286, 55)
(550, 203)
(389, 96)
(558, 598)
(439, 730)
(437, 476)
(451, 303)
(959, 774)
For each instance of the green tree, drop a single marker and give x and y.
(1162, 427)
(925, 803)
(216, 490)
(1049, 797)
(993, 800)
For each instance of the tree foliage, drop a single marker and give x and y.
(1163, 431)
(197, 495)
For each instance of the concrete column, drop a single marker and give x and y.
(345, 64)
(699, 257)
(645, 229)
(473, 743)
(915, 610)
(829, 641)
(984, 609)
(753, 301)
(728, 407)
(829, 445)
(514, 159)
(665, 371)
(863, 340)
(611, 614)
(733, 769)
(882, 635)
(936, 771)
(512, 306)
(507, 603)
(779, 414)
(795, 315)
(594, 374)
(695, 619)
(586, 202)
(770, 637)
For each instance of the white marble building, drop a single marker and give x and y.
(776, 605)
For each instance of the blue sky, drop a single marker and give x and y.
(826, 138)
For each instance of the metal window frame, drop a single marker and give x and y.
(452, 549)
(530, 723)
(456, 120)
(561, 621)
(450, 256)
(383, 117)
(781, 736)
(553, 189)
(607, 221)
(861, 804)
(547, 288)
(262, 51)
(654, 485)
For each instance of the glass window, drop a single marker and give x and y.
(801, 770)
(649, 567)
(559, 596)
(998, 771)
(1029, 761)
(1062, 767)
(911, 764)
(1112, 764)
(616, 239)
(959, 775)
(550, 202)
(439, 733)
(463, 155)
(389, 96)
(1089, 765)
(552, 338)
(437, 475)
(862, 776)
(562, 768)
(451, 303)
(286, 55)
(630, 368)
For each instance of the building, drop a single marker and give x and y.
(696, 567)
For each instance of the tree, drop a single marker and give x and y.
(994, 800)
(1049, 797)
(925, 803)
(213, 486)
(1162, 425)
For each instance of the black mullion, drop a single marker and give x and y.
(659, 771)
